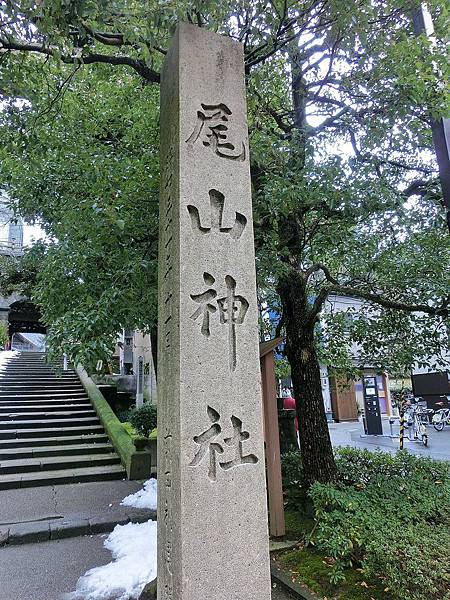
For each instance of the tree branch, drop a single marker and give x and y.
(439, 311)
(7, 43)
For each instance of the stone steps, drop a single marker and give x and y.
(18, 401)
(46, 415)
(48, 422)
(34, 396)
(63, 385)
(49, 431)
(67, 450)
(41, 442)
(57, 407)
(105, 473)
(56, 463)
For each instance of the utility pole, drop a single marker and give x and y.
(440, 128)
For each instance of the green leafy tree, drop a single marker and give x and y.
(346, 198)
(3, 334)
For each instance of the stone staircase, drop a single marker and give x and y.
(49, 432)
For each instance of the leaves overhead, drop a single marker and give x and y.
(345, 188)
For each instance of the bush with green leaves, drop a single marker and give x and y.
(143, 419)
(294, 484)
(3, 334)
(390, 515)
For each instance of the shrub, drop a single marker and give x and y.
(3, 334)
(390, 515)
(294, 484)
(124, 415)
(143, 419)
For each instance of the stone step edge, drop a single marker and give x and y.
(61, 477)
(46, 463)
(59, 450)
(38, 441)
(281, 578)
(43, 531)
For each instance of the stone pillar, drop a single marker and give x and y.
(212, 514)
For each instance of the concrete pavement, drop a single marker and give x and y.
(352, 434)
(48, 570)
(51, 512)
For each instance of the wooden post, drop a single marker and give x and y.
(272, 439)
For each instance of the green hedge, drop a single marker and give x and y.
(387, 514)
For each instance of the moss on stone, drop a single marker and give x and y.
(120, 438)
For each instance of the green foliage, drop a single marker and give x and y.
(3, 333)
(129, 428)
(282, 368)
(144, 419)
(124, 415)
(96, 273)
(389, 514)
(346, 194)
(80, 154)
(313, 569)
(294, 484)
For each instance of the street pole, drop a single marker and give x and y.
(440, 127)
(140, 383)
(402, 417)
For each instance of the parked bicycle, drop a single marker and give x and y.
(416, 417)
(441, 417)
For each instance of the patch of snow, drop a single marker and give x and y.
(5, 355)
(146, 498)
(133, 548)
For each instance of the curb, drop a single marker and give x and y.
(282, 579)
(43, 531)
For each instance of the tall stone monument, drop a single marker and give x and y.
(212, 515)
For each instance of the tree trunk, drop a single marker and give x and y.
(315, 444)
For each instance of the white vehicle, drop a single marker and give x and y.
(441, 418)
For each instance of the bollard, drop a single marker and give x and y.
(402, 429)
(391, 423)
(65, 361)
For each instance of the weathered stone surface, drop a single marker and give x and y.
(4, 534)
(149, 592)
(70, 528)
(24, 533)
(212, 515)
(107, 523)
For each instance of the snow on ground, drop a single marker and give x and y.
(5, 355)
(145, 498)
(133, 548)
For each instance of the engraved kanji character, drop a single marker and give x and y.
(217, 204)
(232, 309)
(236, 441)
(206, 307)
(212, 129)
(204, 440)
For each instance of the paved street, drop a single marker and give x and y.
(352, 434)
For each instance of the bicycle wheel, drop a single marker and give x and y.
(439, 426)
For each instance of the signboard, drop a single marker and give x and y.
(372, 406)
